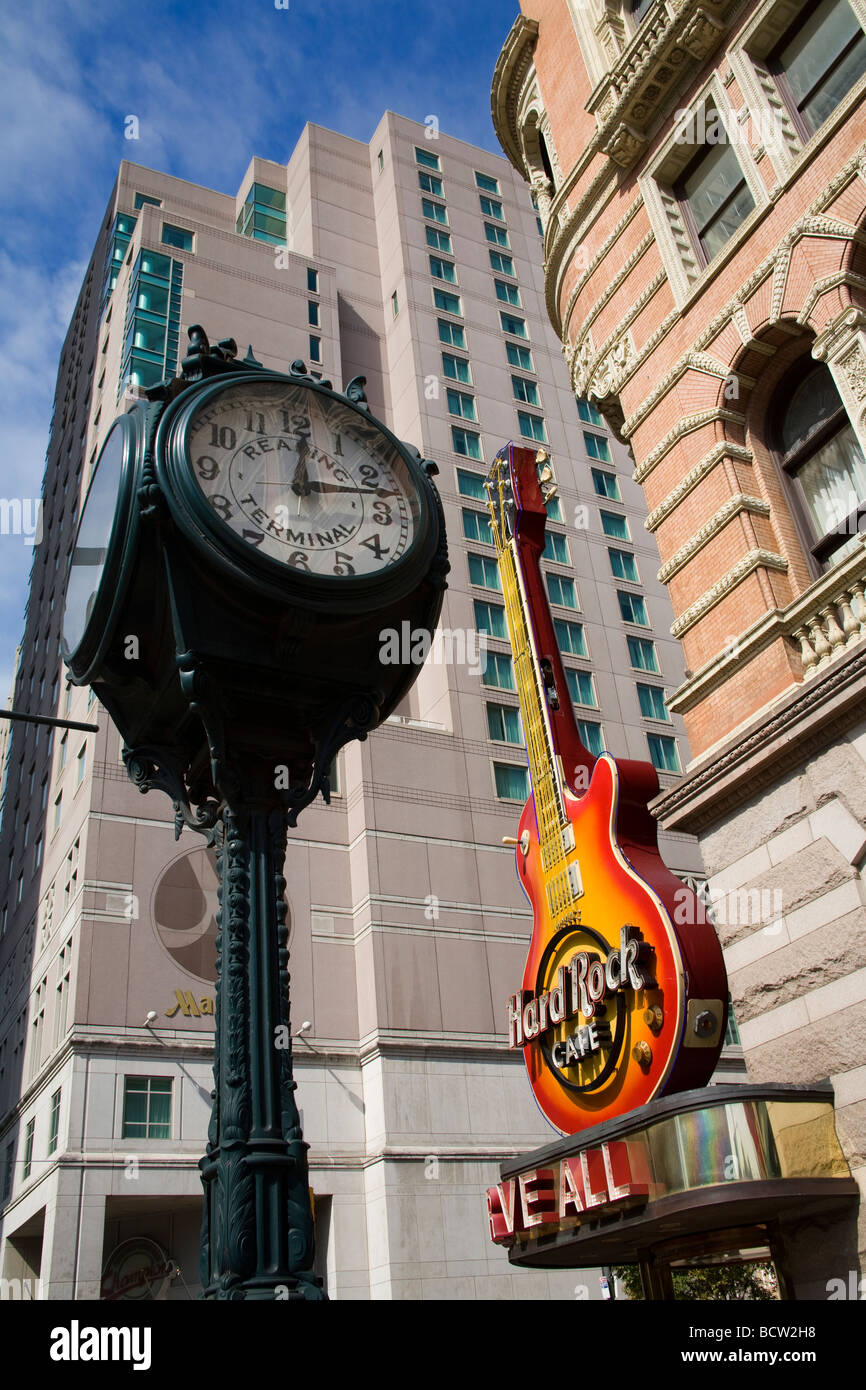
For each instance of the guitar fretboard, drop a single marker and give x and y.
(543, 766)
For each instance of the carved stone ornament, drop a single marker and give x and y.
(625, 145)
(853, 364)
(701, 35)
(544, 192)
(616, 364)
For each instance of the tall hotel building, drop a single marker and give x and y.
(415, 262)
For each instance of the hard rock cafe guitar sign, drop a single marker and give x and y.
(618, 1005)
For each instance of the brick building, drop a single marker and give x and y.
(700, 171)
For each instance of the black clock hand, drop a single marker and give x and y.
(301, 482)
(335, 487)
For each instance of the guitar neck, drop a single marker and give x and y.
(557, 756)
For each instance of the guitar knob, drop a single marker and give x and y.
(642, 1054)
(654, 1018)
(523, 842)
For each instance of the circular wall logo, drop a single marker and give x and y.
(136, 1270)
(185, 905)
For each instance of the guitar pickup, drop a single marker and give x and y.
(564, 888)
(575, 880)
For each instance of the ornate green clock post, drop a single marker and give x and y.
(245, 539)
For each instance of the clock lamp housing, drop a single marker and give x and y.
(251, 576)
(294, 488)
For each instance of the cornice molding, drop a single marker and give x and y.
(776, 264)
(634, 95)
(760, 755)
(596, 260)
(724, 449)
(687, 425)
(567, 227)
(695, 360)
(756, 559)
(509, 76)
(591, 371)
(740, 502)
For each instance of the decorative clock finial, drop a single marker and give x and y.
(355, 391)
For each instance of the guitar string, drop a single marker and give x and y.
(544, 774)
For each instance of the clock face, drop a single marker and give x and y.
(304, 479)
(91, 542)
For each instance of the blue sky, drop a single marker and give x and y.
(212, 82)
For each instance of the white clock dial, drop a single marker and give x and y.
(304, 479)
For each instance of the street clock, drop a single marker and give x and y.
(254, 533)
(304, 479)
(248, 542)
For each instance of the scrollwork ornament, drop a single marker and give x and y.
(151, 769)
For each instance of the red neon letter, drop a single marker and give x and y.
(570, 1187)
(536, 1195)
(618, 1173)
(502, 1210)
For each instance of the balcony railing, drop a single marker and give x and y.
(830, 618)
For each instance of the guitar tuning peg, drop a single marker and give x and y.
(545, 472)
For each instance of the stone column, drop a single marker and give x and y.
(843, 347)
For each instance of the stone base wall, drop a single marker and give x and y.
(786, 873)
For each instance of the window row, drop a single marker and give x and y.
(500, 671)
(454, 335)
(512, 780)
(29, 1147)
(484, 572)
(490, 618)
(428, 160)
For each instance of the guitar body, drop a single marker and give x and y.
(625, 884)
(624, 994)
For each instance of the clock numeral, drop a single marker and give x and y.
(293, 423)
(207, 468)
(221, 506)
(344, 564)
(338, 445)
(381, 513)
(369, 474)
(300, 560)
(375, 544)
(259, 426)
(222, 437)
(254, 537)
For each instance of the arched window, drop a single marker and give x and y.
(821, 455)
